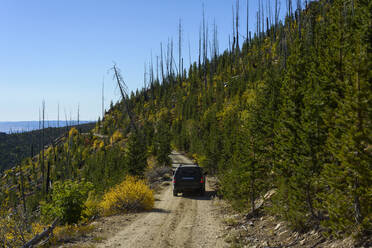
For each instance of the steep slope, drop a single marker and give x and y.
(289, 110)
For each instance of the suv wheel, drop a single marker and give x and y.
(202, 191)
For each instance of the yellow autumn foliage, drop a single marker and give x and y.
(116, 136)
(98, 144)
(73, 132)
(132, 195)
(92, 207)
(12, 232)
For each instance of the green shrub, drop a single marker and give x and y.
(91, 206)
(67, 202)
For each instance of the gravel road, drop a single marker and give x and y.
(183, 221)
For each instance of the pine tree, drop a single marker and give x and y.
(136, 154)
(162, 144)
(348, 174)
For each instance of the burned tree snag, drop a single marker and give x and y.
(122, 86)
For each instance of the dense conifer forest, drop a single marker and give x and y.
(289, 109)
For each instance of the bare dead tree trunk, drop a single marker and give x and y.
(103, 98)
(42, 145)
(233, 25)
(268, 4)
(262, 19)
(299, 17)
(204, 41)
(161, 61)
(171, 57)
(67, 169)
(258, 24)
(58, 116)
(22, 187)
(35, 240)
(276, 18)
(151, 70)
(157, 68)
(48, 177)
(145, 81)
(259, 20)
(78, 118)
(214, 45)
(124, 95)
(246, 39)
(167, 60)
(309, 201)
(183, 74)
(180, 69)
(237, 25)
(206, 57)
(357, 208)
(199, 64)
(39, 145)
(190, 62)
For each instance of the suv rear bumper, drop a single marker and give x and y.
(189, 187)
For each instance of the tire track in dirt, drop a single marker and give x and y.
(187, 221)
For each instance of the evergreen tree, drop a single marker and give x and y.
(348, 174)
(162, 143)
(136, 154)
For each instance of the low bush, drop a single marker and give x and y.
(67, 202)
(131, 195)
(91, 207)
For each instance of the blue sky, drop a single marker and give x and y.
(61, 51)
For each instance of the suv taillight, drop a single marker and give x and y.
(174, 180)
(202, 180)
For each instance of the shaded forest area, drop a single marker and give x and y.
(288, 110)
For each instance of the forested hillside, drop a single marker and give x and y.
(17, 146)
(289, 109)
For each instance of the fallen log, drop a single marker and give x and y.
(38, 237)
(259, 203)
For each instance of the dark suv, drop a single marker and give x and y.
(188, 178)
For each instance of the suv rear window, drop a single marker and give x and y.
(184, 172)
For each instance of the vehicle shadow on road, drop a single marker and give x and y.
(159, 210)
(206, 197)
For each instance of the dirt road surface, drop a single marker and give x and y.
(183, 221)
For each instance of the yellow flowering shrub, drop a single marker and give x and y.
(131, 195)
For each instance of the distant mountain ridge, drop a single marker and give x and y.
(26, 126)
(15, 147)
